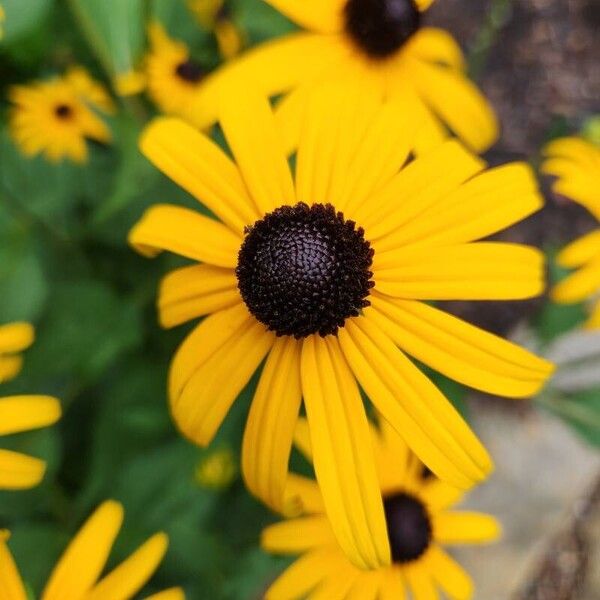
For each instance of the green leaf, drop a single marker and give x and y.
(21, 16)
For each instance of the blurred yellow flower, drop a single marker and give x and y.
(419, 521)
(576, 164)
(325, 276)
(130, 83)
(76, 576)
(217, 470)
(380, 46)
(21, 413)
(214, 16)
(55, 117)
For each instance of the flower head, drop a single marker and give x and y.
(21, 413)
(55, 117)
(576, 164)
(77, 575)
(323, 276)
(380, 45)
(419, 521)
(214, 15)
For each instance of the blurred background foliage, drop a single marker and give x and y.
(65, 266)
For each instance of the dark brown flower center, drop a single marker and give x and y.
(63, 111)
(381, 27)
(408, 525)
(304, 270)
(190, 71)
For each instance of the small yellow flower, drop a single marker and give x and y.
(54, 117)
(326, 276)
(576, 164)
(217, 470)
(173, 77)
(76, 576)
(130, 83)
(419, 521)
(214, 16)
(380, 46)
(20, 413)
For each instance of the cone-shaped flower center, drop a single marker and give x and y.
(304, 270)
(189, 71)
(63, 111)
(380, 27)
(408, 525)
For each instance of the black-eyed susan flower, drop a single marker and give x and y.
(419, 522)
(576, 164)
(173, 76)
(21, 413)
(377, 44)
(78, 573)
(323, 275)
(55, 117)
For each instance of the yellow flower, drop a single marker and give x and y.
(90, 90)
(289, 274)
(217, 470)
(21, 413)
(576, 163)
(77, 574)
(377, 45)
(54, 117)
(419, 522)
(214, 16)
(130, 83)
(173, 77)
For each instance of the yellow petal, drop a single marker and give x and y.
(83, 561)
(465, 528)
(417, 410)
(392, 587)
(307, 492)
(170, 594)
(316, 15)
(340, 579)
(581, 251)
(420, 582)
(343, 456)
(302, 439)
(438, 495)
(11, 584)
(18, 471)
(211, 368)
(594, 321)
(126, 580)
(449, 575)
(258, 146)
(296, 536)
(22, 413)
(423, 5)
(290, 115)
(580, 285)
(200, 167)
(436, 46)
(187, 233)
(194, 291)
(10, 366)
(15, 337)
(271, 422)
(366, 586)
(459, 350)
(475, 271)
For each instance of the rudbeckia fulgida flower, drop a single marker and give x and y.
(322, 275)
(576, 164)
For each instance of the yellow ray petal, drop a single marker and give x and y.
(194, 291)
(10, 366)
(11, 584)
(15, 337)
(297, 536)
(343, 456)
(413, 405)
(22, 413)
(211, 368)
(82, 562)
(449, 575)
(423, 5)
(465, 528)
(126, 580)
(578, 150)
(580, 285)
(337, 585)
(258, 146)
(594, 321)
(392, 587)
(18, 471)
(307, 492)
(200, 167)
(459, 350)
(420, 582)
(459, 103)
(271, 422)
(302, 439)
(366, 586)
(439, 495)
(581, 251)
(316, 15)
(475, 271)
(187, 233)
(290, 115)
(436, 46)
(170, 594)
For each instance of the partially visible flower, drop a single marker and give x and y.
(217, 470)
(55, 117)
(173, 76)
(576, 164)
(214, 15)
(77, 575)
(130, 83)
(90, 90)
(419, 520)
(21, 413)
